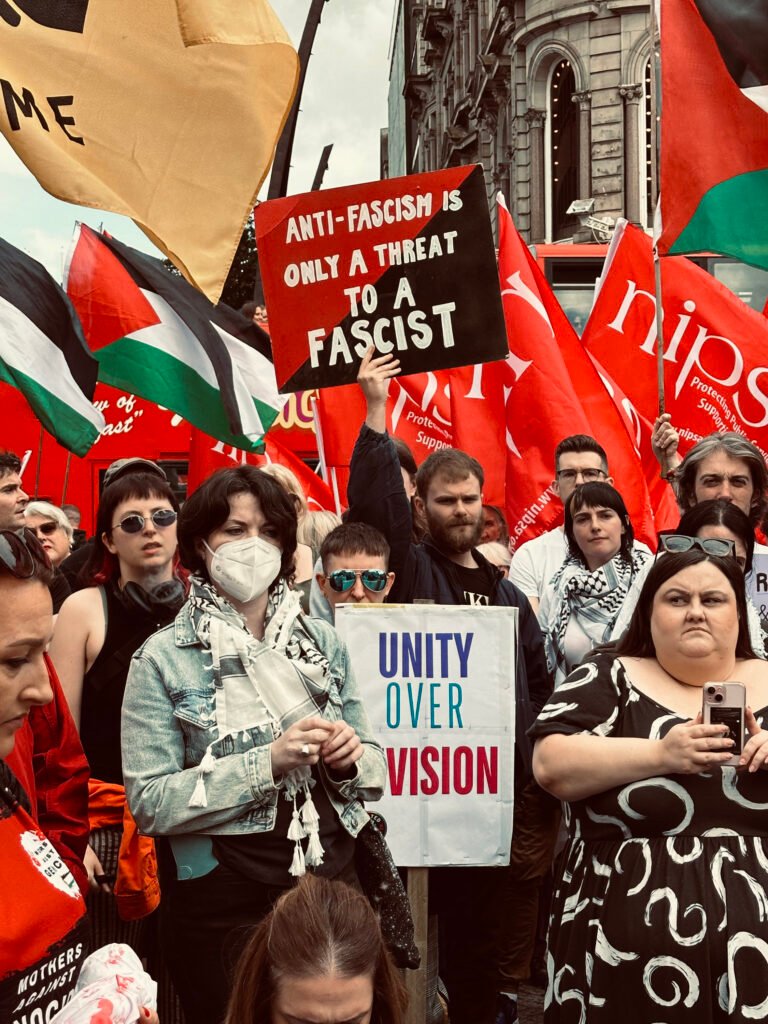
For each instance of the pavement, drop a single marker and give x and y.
(530, 1004)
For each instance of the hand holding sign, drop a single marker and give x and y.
(373, 378)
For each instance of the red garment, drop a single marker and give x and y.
(136, 889)
(49, 761)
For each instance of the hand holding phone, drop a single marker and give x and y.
(724, 704)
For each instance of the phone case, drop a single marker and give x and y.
(724, 703)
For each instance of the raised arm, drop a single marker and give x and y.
(375, 491)
(665, 441)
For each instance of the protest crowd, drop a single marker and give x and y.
(480, 705)
(182, 722)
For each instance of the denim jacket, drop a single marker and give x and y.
(169, 721)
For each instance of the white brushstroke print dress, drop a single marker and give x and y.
(661, 914)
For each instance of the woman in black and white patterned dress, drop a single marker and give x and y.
(661, 912)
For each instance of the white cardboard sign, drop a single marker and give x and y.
(438, 682)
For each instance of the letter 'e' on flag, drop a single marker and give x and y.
(714, 128)
(166, 111)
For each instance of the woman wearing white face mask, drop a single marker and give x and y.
(245, 744)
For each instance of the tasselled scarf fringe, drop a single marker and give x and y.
(283, 610)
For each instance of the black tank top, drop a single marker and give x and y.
(128, 626)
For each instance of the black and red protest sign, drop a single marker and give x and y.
(407, 264)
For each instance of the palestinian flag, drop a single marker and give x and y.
(156, 336)
(43, 352)
(714, 129)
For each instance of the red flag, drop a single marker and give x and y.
(206, 455)
(555, 391)
(714, 345)
(478, 416)
(418, 412)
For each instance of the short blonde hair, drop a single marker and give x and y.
(315, 527)
(46, 510)
(289, 482)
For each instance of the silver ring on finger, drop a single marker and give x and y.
(305, 749)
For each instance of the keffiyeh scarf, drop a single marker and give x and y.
(278, 680)
(593, 598)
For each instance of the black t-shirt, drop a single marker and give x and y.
(266, 857)
(477, 584)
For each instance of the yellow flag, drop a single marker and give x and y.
(167, 111)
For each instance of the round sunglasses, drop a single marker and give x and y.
(134, 523)
(342, 580)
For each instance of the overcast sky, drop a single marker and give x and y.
(344, 103)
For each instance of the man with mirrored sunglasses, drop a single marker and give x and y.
(355, 560)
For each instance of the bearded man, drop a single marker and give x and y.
(484, 957)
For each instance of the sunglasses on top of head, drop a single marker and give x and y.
(675, 543)
(342, 580)
(134, 523)
(21, 554)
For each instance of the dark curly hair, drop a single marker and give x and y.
(208, 508)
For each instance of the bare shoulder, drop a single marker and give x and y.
(83, 601)
(81, 611)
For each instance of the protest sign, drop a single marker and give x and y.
(757, 585)
(438, 684)
(407, 264)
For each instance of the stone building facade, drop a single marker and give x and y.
(552, 97)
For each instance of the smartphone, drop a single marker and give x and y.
(724, 704)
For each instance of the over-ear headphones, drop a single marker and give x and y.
(164, 600)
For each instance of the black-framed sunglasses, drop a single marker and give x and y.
(21, 553)
(46, 529)
(134, 523)
(342, 580)
(675, 543)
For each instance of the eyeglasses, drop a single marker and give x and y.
(589, 476)
(161, 517)
(675, 543)
(21, 554)
(46, 529)
(342, 580)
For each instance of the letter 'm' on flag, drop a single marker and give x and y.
(43, 352)
(167, 111)
(714, 129)
(156, 336)
(715, 346)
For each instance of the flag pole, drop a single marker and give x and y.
(66, 477)
(39, 461)
(655, 108)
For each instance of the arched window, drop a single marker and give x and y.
(648, 147)
(563, 163)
